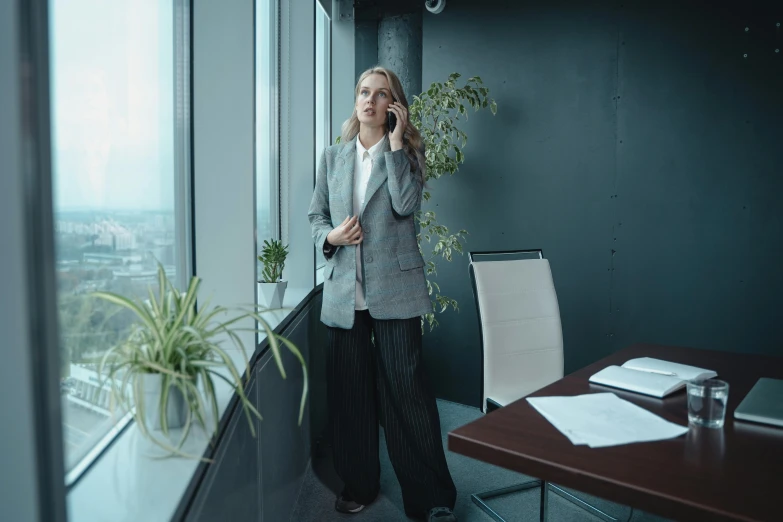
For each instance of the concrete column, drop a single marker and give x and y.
(400, 47)
(366, 42)
(343, 65)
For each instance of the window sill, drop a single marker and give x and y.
(127, 482)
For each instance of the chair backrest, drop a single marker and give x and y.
(521, 333)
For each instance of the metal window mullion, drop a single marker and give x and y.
(274, 101)
(40, 255)
(183, 215)
(284, 128)
(328, 81)
(326, 106)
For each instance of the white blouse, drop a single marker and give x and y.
(361, 176)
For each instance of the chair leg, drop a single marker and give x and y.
(480, 498)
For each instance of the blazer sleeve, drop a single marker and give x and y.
(319, 214)
(405, 185)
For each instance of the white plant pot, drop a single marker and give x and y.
(271, 295)
(176, 412)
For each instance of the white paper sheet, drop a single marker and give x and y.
(604, 419)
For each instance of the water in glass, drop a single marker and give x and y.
(707, 403)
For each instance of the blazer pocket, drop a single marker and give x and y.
(410, 260)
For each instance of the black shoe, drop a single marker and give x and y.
(346, 504)
(441, 514)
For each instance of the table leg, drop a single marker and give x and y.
(544, 501)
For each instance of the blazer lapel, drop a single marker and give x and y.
(378, 174)
(348, 157)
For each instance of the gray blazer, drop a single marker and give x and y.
(393, 268)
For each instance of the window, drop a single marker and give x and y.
(267, 144)
(322, 93)
(120, 120)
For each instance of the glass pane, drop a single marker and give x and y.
(113, 119)
(266, 135)
(322, 78)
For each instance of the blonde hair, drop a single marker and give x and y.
(412, 140)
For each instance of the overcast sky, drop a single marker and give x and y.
(112, 95)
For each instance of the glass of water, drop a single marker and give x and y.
(707, 402)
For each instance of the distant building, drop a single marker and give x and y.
(124, 241)
(163, 251)
(86, 389)
(164, 222)
(111, 259)
(137, 273)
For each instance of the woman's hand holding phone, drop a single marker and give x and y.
(400, 113)
(349, 232)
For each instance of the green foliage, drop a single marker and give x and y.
(436, 113)
(87, 325)
(273, 256)
(172, 338)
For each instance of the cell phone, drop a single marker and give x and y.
(392, 119)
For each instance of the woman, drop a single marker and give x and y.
(367, 191)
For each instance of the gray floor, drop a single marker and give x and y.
(316, 499)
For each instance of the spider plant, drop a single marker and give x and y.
(182, 344)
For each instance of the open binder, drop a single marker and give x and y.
(650, 376)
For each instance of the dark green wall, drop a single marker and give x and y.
(640, 150)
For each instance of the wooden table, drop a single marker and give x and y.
(735, 473)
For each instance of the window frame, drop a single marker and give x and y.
(184, 259)
(323, 132)
(272, 65)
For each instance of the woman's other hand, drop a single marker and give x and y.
(349, 232)
(395, 138)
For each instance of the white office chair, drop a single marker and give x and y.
(522, 345)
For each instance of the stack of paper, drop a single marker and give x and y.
(604, 419)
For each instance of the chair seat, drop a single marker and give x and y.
(510, 392)
(504, 399)
(505, 391)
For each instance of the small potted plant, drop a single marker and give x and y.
(165, 370)
(272, 287)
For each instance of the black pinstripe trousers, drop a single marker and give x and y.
(354, 366)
